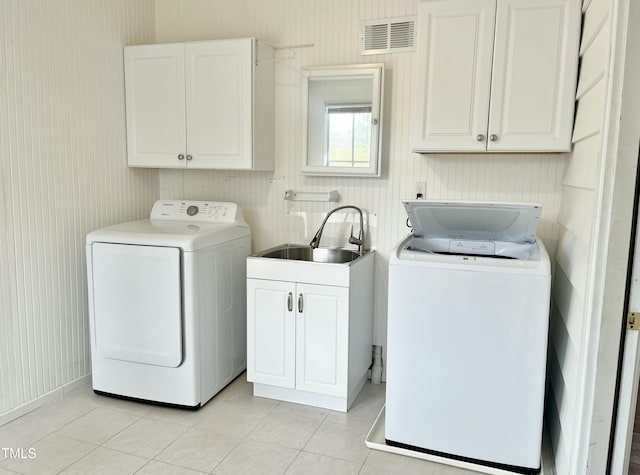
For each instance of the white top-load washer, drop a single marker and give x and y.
(167, 303)
(468, 316)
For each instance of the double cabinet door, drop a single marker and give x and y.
(297, 336)
(496, 75)
(189, 104)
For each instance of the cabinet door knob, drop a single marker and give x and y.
(290, 302)
(479, 137)
(180, 157)
(493, 137)
(300, 304)
(189, 157)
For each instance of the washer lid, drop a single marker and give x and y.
(474, 220)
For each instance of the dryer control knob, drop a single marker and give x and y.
(192, 210)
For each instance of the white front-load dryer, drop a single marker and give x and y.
(167, 303)
(467, 331)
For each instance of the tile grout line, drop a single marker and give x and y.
(101, 444)
(76, 461)
(237, 398)
(49, 434)
(301, 450)
(316, 431)
(364, 463)
(240, 439)
(246, 437)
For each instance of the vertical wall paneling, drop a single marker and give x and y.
(616, 190)
(591, 257)
(570, 286)
(63, 164)
(332, 26)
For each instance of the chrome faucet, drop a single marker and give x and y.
(358, 241)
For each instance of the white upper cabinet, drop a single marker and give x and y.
(207, 104)
(455, 43)
(496, 75)
(155, 105)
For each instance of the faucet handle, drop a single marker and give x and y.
(355, 240)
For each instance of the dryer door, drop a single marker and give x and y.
(137, 303)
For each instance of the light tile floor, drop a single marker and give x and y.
(235, 433)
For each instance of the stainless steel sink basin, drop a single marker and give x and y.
(306, 253)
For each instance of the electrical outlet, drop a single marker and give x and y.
(421, 190)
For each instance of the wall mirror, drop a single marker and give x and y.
(342, 120)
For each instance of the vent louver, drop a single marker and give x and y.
(388, 36)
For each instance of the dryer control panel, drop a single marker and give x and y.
(202, 211)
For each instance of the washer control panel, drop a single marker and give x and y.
(203, 211)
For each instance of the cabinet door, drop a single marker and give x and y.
(155, 112)
(322, 333)
(219, 103)
(534, 75)
(271, 332)
(455, 43)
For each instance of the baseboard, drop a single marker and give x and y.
(40, 401)
(75, 384)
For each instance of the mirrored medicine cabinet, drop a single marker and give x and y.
(342, 120)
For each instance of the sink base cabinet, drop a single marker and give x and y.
(311, 343)
(334, 403)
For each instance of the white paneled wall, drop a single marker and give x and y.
(63, 173)
(572, 287)
(332, 26)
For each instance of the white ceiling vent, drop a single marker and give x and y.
(392, 35)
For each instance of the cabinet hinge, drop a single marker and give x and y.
(633, 321)
(257, 51)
